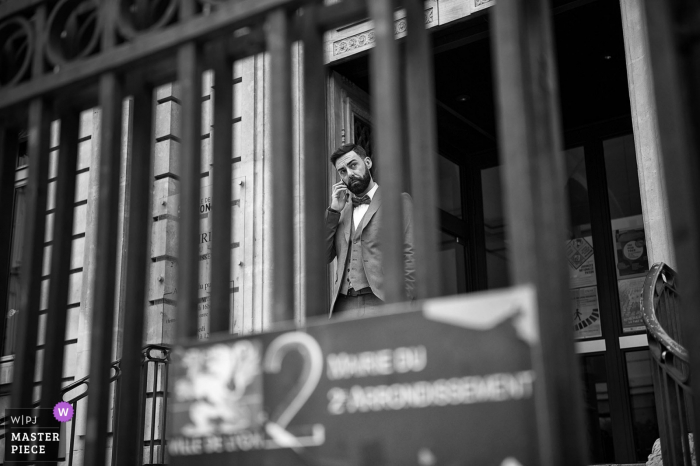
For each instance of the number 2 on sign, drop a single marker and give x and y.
(310, 375)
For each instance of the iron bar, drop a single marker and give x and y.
(139, 211)
(32, 254)
(61, 251)
(387, 138)
(220, 307)
(190, 79)
(154, 405)
(422, 149)
(9, 139)
(39, 41)
(533, 190)
(315, 162)
(282, 183)
(105, 269)
(164, 408)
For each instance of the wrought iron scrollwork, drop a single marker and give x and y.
(138, 17)
(73, 31)
(16, 47)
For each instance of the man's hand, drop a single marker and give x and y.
(339, 196)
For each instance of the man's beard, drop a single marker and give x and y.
(358, 186)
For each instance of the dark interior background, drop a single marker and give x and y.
(591, 66)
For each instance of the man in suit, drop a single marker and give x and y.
(352, 227)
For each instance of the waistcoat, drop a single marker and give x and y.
(354, 272)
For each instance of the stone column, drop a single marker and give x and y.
(657, 224)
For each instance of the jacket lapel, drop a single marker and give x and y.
(373, 207)
(347, 221)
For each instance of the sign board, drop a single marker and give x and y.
(447, 381)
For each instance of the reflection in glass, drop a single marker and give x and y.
(642, 402)
(623, 181)
(597, 409)
(449, 185)
(628, 228)
(497, 254)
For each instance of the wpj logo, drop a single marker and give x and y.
(33, 435)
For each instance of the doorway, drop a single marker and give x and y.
(605, 242)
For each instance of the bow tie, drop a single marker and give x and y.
(356, 201)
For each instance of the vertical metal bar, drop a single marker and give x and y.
(675, 445)
(277, 36)
(32, 254)
(608, 298)
(154, 405)
(143, 396)
(136, 261)
(38, 58)
(386, 115)
(8, 159)
(315, 162)
(659, 399)
(105, 270)
(190, 78)
(52, 368)
(529, 143)
(682, 425)
(422, 150)
(674, 54)
(164, 409)
(72, 433)
(220, 309)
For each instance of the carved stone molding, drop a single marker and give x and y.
(366, 38)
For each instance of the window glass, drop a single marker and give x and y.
(597, 410)
(579, 250)
(497, 254)
(453, 279)
(449, 186)
(642, 403)
(628, 228)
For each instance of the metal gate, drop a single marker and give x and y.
(61, 57)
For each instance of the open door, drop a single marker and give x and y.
(349, 121)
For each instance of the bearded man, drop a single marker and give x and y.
(352, 236)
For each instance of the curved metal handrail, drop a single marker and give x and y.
(653, 288)
(83, 381)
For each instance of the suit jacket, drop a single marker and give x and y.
(338, 226)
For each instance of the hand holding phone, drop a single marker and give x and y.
(339, 196)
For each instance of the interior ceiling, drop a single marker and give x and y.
(591, 65)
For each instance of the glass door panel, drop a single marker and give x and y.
(579, 250)
(597, 409)
(497, 256)
(449, 187)
(627, 227)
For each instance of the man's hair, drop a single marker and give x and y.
(344, 149)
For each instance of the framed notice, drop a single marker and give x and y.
(586, 312)
(630, 291)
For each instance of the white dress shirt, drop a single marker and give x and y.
(361, 209)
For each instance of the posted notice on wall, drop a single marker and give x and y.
(579, 254)
(586, 312)
(630, 247)
(630, 292)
